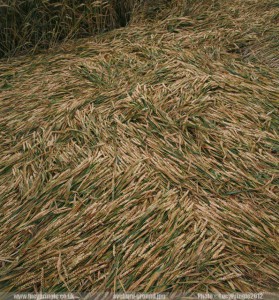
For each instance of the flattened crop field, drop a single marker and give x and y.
(145, 158)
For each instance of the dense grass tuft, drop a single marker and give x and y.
(33, 24)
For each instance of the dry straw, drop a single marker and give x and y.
(146, 158)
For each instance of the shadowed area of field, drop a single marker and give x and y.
(145, 158)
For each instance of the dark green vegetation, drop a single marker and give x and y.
(145, 158)
(34, 24)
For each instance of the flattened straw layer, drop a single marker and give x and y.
(144, 160)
